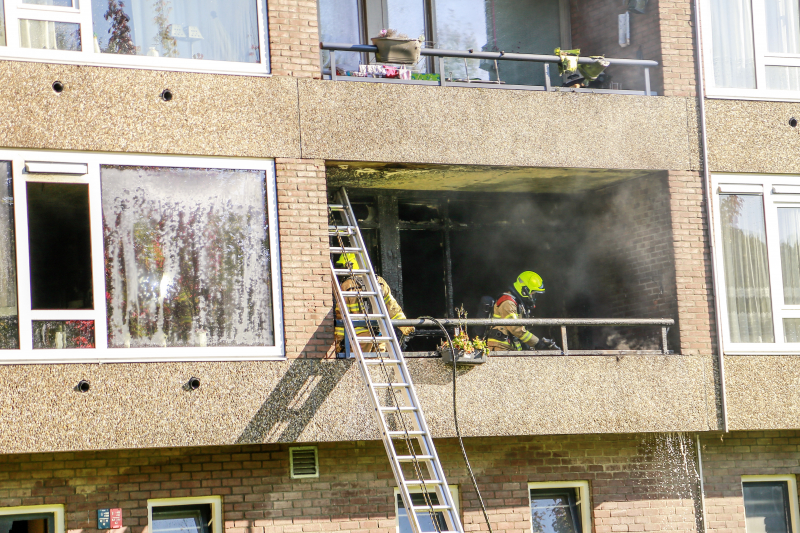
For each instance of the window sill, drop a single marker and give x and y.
(773, 96)
(134, 62)
(141, 355)
(795, 350)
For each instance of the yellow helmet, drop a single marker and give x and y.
(529, 283)
(348, 258)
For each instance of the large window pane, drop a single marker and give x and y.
(789, 232)
(48, 35)
(187, 257)
(555, 511)
(732, 36)
(60, 248)
(791, 329)
(59, 3)
(9, 337)
(199, 29)
(783, 26)
(519, 26)
(744, 248)
(406, 16)
(766, 507)
(338, 23)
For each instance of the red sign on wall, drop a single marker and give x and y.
(116, 518)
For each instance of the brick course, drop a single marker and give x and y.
(305, 271)
(294, 38)
(636, 484)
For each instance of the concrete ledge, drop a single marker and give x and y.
(473, 126)
(121, 110)
(307, 400)
(763, 391)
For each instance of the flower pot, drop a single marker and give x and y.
(462, 358)
(397, 51)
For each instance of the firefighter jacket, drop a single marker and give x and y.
(395, 312)
(508, 338)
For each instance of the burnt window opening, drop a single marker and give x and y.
(28, 523)
(604, 253)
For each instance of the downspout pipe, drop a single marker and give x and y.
(709, 217)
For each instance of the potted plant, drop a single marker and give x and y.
(397, 48)
(468, 351)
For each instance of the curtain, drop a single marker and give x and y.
(2, 25)
(187, 257)
(732, 44)
(744, 248)
(789, 232)
(338, 23)
(220, 30)
(8, 263)
(48, 35)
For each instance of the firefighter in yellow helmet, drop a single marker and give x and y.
(349, 284)
(517, 303)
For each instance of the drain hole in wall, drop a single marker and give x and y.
(166, 95)
(58, 86)
(793, 122)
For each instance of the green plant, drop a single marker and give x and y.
(461, 340)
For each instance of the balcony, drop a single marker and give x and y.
(466, 78)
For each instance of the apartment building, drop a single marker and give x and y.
(166, 308)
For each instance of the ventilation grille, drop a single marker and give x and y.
(303, 462)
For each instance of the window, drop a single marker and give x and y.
(194, 35)
(32, 519)
(520, 26)
(770, 504)
(425, 521)
(757, 221)
(560, 507)
(752, 48)
(185, 515)
(137, 258)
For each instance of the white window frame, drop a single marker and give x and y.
(790, 480)
(56, 510)
(16, 10)
(101, 352)
(584, 495)
(417, 490)
(776, 191)
(216, 509)
(762, 58)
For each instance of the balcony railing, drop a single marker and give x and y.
(546, 60)
(562, 323)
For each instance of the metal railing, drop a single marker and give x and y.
(547, 60)
(664, 323)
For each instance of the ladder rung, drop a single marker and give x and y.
(411, 459)
(348, 229)
(348, 294)
(347, 272)
(336, 207)
(403, 433)
(426, 508)
(365, 316)
(365, 340)
(382, 362)
(401, 408)
(389, 385)
(345, 249)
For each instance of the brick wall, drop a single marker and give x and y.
(305, 270)
(634, 259)
(294, 38)
(726, 458)
(676, 20)
(637, 483)
(692, 263)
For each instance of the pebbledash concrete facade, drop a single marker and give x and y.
(662, 440)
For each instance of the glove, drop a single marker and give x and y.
(546, 344)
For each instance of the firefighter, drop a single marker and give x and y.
(349, 284)
(515, 303)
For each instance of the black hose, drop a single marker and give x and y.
(455, 420)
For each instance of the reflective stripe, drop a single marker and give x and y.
(526, 337)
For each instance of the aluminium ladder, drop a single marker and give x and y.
(405, 434)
